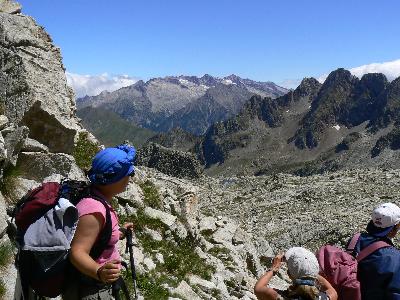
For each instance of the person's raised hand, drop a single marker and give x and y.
(109, 272)
(128, 226)
(277, 262)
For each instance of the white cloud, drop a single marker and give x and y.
(290, 83)
(391, 69)
(94, 84)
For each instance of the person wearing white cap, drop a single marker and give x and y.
(379, 272)
(303, 269)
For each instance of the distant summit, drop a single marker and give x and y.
(189, 102)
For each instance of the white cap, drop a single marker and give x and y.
(301, 263)
(386, 215)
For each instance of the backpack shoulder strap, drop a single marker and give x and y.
(353, 242)
(105, 234)
(371, 249)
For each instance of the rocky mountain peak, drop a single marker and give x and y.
(375, 83)
(308, 86)
(338, 77)
(326, 109)
(138, 83)
(389, 105)
(208, 80)
(234, 78)
(309, 83)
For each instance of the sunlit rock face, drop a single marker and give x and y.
(33, 85)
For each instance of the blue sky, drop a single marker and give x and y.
(257, 39)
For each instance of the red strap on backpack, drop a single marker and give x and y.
(366, 251)
(353, 242)
(371, 249)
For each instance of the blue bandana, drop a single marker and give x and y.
(112, 164)
(310, 282)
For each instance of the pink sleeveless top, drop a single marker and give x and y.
(89, 206)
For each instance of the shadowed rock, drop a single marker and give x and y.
(168, 161)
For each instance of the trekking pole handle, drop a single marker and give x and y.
(127, 234)
(129, 237)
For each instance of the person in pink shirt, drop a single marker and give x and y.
(109, 176)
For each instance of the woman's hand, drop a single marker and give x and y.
(126, 226)
(261, 289)
(109, 272)
(277, 262)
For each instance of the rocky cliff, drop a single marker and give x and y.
(39, 132)
(34, 92)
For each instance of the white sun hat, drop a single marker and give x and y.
(301, 263)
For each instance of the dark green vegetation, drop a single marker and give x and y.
(6, 254)
(151, 196)
(84, 151)
(223, 254)
(110, 129)
(148, 285)
(8, 182)
(2, 289)
(2, 106)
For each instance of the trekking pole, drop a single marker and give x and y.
(129, 245)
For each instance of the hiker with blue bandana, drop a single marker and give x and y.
(109, 176)
(303, 269)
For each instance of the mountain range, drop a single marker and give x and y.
(345, 122)
(189, 102)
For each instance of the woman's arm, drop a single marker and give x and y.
(261, 289)
(327, 288)
(85, 236)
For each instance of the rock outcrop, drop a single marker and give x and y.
(172, 162)
(33, 87)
